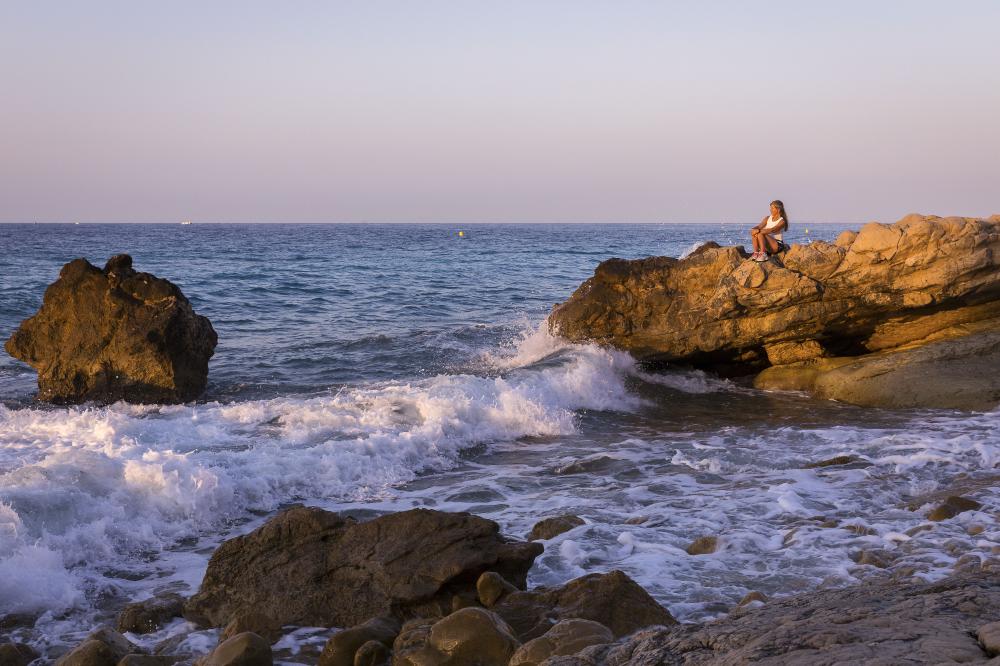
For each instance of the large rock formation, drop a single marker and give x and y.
(887, 623)
(858, 320)
(115, 334)
(311, 567)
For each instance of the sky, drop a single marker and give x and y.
(505, 111)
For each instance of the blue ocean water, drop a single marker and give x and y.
(372, 368)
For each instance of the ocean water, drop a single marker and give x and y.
(374, 368)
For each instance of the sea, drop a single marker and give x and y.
(371, 368)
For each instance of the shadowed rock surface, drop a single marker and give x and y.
(115, 334)
(311, 567)
(889, 623)
(901, 315)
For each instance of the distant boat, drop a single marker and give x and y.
(186, 222)
(76, 223)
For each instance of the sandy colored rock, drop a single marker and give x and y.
(311, 567)
(115, 334)
(104, 646)
(549, 528)
(819, 316)
(566, 637)
(989, 637)
(704, 545)
(343, 646)
(953, 506)
(246, 649)
(16, 654)
(474, 636)
(491, 586)
(751, 597)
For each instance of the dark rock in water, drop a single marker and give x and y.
(16, 654)
(612, 599)
(312, 567)
(875, 623)
(953, 506)
(246, 649)
(115, 334)
(836, 461)
(704, 545)
(103, 647)
(901, 315)
(472, 636)
(549, 528)
(343, 646)
(144, 617)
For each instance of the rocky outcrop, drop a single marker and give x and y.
(311, 567)
(858, 320)
(889, 623)
(115, 334)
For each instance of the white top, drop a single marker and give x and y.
(771, 224)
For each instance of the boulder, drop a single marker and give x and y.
(852, 320)
(704, 545)
(549, 528)
(472, 636)
(887, 622)
(150, 660)
(16, 654)
(491, 586)
(312, 567)
(253, 621)
(115, 334)
(103, 647)
(611, 599)
(246, 649)
(566, 637)
(343, 646)
(143, 617)
(952, 506)
(372, 653)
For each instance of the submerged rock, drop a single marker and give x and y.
(311, 567)
(952, 506)
(143, 617)
(549, 528)
(115, 334)
(853, 320)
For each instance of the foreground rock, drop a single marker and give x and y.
(311, 567)
(888, 623)
(115, 334)
(896, 315)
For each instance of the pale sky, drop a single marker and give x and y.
(502, 111)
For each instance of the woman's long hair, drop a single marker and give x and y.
(781, 208)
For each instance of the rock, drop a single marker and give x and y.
(372, 653)
(255, 622)
(873, 557)
(549, 528)
(953, 506)
(150, 660)
(875, 623)
(311, 567)
(989, 637)
(751, 597)
(566, 637)
(704, 545)
(16, 654)
(852, 321)
(468, 636)
(144, 617)
(115, 334)
(491, 586)
(612, 599)
(342, 648)
(246, 649)
(831, 462)
(103, 647)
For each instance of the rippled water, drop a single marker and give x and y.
(378, 367)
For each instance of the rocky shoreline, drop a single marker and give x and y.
(431, 588)
(901, 315)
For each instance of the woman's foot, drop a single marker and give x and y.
(761, 257)
(753, 257)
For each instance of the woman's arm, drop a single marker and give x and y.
(763, 221)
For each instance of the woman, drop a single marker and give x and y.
(767, 236)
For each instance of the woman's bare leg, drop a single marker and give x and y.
(755, 239)
(770, 244)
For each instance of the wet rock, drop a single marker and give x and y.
(612, 599)
(246, 649)
(464, 599)
(491, 586)
(144, 617)
(343, 646)
(115, 334)
(411, 645)
(989, 637)
(150, 660)
(566, 637)
(372, 653)
(311, 567)
(873, 557)
(255, 622)
(751, 597)
(831, 462)
(473, 636)
(105, 646)
(704, 545)
(853, 321)
(549, 528)
(875, 623)
(953, 506)
(17, 654)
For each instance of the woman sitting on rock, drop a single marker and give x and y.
(766, 236)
